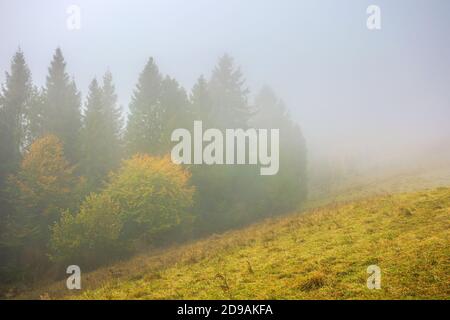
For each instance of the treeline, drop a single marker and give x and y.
(79, 183)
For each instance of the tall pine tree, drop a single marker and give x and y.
(173, 105)
(91, 136)
(226, 195)
(229, 95)
(61, 114)
(143, 131)
(34, 116)
(288, 189)
(15, 100)
(201, 104)
(113, 122)
(100, 140)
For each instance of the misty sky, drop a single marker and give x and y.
(347, 86)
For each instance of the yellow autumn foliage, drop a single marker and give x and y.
(144, 198)
(153, 193)
(43, 187)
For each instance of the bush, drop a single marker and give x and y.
(153, 194)
(145, 198)
(90, 235)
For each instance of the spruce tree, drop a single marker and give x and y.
(92, 134)
(100, 140)
(229, 95)
(227, 194)
(271, 112)
(14, 101)
(143, 133)
(286, 190)
(201, 104)
(113, 122)
(173, 105)
(61, 114)
(34, 116)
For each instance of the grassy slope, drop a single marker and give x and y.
(322, 254)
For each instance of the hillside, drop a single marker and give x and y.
(320, 254)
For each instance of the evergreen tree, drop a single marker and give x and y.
(14, 102)
(92, 142)
(34, 116)
(229, 95)
(61, 114)
(113, 122)
(227, 195)
(286, 190)
(271, 112)
(201, 103)
(15, 98)
(100, 134)
(143, 133)
(173, 105)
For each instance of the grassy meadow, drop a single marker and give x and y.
(321, 253)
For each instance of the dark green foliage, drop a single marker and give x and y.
(143, 133)
(201, 102)
(61, 114)
(149, 199)
(113, 122)
(157, 108)
(286, 190)
(89, 236)
(100, 135)
(230, 196)
(34, 116)
(174, 110)
(229, 95)
(146, 197)
(91, 137)
(43, 187)
(15, 100)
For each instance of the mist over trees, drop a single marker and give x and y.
(61, 112)
(15, 102)
(100, 134)
(78, 183)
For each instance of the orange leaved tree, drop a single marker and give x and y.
(42, 188)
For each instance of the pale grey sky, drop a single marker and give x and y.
(347, 86)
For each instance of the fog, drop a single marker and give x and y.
(371, 95)
(224, 149)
